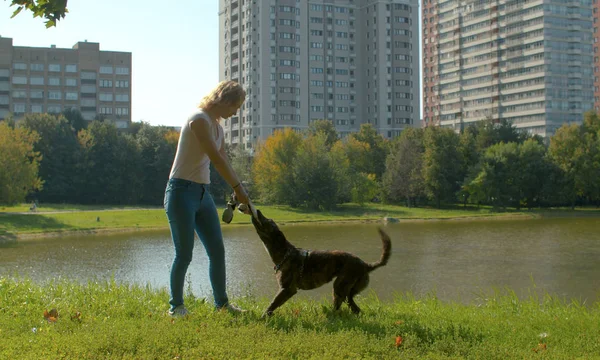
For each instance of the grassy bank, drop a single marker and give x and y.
(57, 219)
(108, 320)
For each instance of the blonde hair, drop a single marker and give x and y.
(226, 92)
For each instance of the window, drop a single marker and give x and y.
(122, 111)
(19, 66)
(122, 97)
(71, 68)
(122, 71)
(54, 95)
(36, 94)
(88, 75)
(36, 80)
(37, 67)
(71, 82)
(89, 89)
(70, 96)
(88, 102)
(37, 109)
(106, 83)
(19, 108)
(21, 80)
(54, 81)
(106, 110)
(19, 94)
(106, 97)
(106, 69)
(54, 67)
(54, 109)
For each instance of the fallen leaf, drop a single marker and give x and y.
(76, 316)
(540, 347)
(172, 321)
(51, 316)
(399, 322)
(398, 341)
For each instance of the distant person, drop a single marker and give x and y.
(33, 206)
(188, 202)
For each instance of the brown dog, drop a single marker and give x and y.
(301, 269)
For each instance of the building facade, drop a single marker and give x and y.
(526, 61)
(596, 12)
(347, 61)
(50, 80)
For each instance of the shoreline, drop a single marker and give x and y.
(301, 222)
(8, 236)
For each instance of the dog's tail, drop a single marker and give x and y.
(387, 251)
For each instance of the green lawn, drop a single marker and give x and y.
(109, 320)
(72, 218)
(61, 218)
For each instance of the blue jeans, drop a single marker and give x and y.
(189, 206)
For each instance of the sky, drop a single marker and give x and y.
(174, 47)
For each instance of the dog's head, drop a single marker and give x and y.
(267, 229)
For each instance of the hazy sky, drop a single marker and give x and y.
(174, 46)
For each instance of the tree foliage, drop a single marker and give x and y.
(19, 163)
(51, 10)
(272, 170)
(403, 177)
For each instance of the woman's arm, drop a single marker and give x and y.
(201, 128)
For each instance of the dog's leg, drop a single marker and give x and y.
(282, 296)
(360, 285)
(341, 289)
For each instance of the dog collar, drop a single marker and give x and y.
(285, 257)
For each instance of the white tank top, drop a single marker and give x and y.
(191, 163)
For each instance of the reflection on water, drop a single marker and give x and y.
(456, 260)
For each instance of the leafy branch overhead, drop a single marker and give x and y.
(51, 10)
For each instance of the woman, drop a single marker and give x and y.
(188, 202)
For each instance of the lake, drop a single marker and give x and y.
(456, 260)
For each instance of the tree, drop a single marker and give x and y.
(497, 182)
(110, 167)
(326, 127)
(75, 118)
(60, 150)
(442, 164)
(156, 156)
(533, 172)
(19, 163)
(377, 150)
(313, 175)
(568, 151)
(51, 10)
(272, 171)
(403, 177)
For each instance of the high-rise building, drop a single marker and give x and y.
(526, 61)
(347, 61)
(50, 80)
(596, 12)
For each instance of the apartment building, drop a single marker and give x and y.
(526, 61)
(596, 13)
(347, 61)
(49, 80)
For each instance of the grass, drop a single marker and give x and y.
(129, 322)
(66, 218)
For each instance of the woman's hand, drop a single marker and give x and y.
(242, 197)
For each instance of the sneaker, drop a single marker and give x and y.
(232, 309)
(178, 311)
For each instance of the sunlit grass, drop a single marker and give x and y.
(125, 321)
(61, 218)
